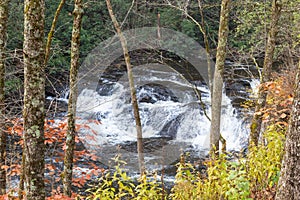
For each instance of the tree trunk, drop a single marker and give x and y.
(47, 54)
(132, 88)
(218, 78)
(289, 181)
(3, 39)
(256, 124)
(34, 97)
(51, 32)
(70, 139)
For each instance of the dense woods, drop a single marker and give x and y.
(43, 44)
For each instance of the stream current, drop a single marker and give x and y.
(172, 116)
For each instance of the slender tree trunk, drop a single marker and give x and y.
(289, 181)
(202, 29)
(218, 78)
(158, 27)
(256, 124)
(132, 88)
(3, 135)
(21, 183)
(51, 32)
(70, 139)
(34, 98)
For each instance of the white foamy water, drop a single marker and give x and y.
(180, 119)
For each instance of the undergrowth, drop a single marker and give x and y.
(253, 176)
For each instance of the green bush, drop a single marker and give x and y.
(119, 185)
(240, 179)
(264, 161)
(115, 185)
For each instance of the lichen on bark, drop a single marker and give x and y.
(218, 79)
(34, 97)
(289, 181)
(70, 139)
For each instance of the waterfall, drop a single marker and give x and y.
(172, 118)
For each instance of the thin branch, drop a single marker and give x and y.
(128, 12)
(51, 32)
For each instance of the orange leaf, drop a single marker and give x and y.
(51, 167)
(57, 179)
(283, 115)
(51, 121)
(5, 167)
(282, 123)
(88, 176)
(77, 139)
(51, 173)
(266, 116)
(94, 157)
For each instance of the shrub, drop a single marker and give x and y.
(264, 161)
(254, 176)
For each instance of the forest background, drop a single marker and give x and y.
(249, 25)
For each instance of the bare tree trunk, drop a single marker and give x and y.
(218, 78)
(158, 27)
(51, 32)
(202, 29)
(3, 135)
(70, 139)
(132, 88)
(21, 183)
(289, 181)
(34, 98)
(256, 124)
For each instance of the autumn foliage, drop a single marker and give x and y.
(55, 132)
(279, 98)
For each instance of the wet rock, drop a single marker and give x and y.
(170, 129)
(151, 93)
(149, 144)
(237, 102)
(106, 89)
(237, 79)
(238, 85)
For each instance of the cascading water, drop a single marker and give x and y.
(172, 118)
(63, 97)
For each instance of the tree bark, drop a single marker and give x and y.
(47, 54)
(34, 97)
(3, 134)
(218, 78)
(70, 139)
(132, 88)
(256, 124)
(289, 181)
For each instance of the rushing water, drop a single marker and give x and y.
(172, 118)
